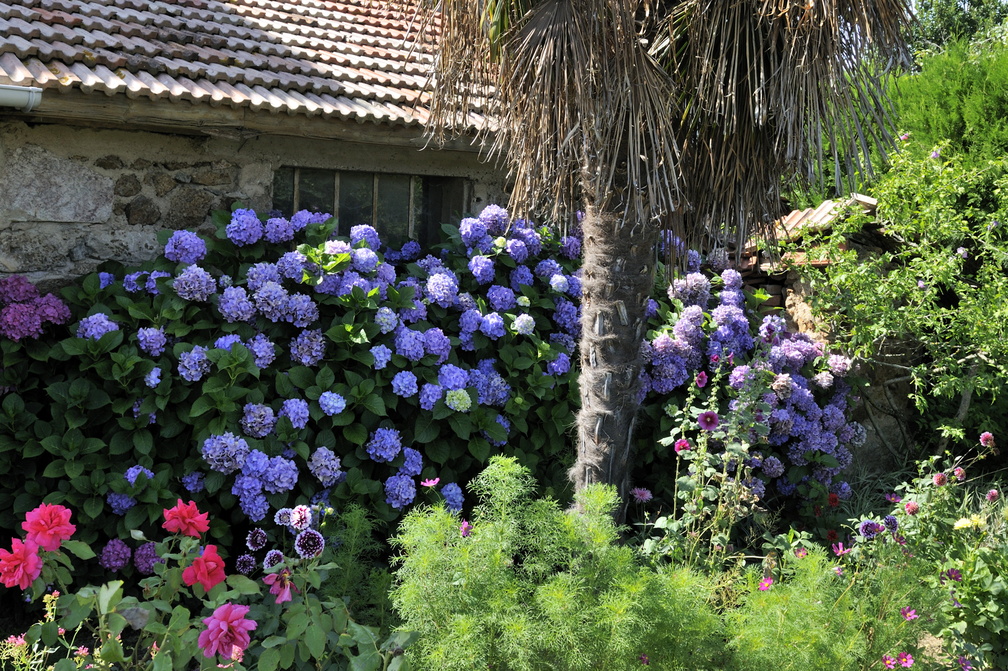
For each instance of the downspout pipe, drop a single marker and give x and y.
(24, 98)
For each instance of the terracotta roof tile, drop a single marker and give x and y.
(353, 59)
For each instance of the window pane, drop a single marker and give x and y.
(443, 201)
(316, 190)
(356, 200)
(283, 191)
(394, 209)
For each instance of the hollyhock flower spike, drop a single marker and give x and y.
(21, 566)
(708, 420)
(207, 569)
(701, 379)
(48, 526)
(186, 519)
(227, 630)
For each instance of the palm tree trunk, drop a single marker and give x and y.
(618, 277)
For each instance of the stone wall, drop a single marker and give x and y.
(72, 197)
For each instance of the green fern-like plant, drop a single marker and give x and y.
(529, 586)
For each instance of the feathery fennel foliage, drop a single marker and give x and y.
(533, 587)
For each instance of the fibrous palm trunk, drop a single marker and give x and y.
(618, 277)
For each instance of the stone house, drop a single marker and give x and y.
(119, 118)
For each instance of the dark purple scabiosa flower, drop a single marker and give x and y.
(115, 556)
(891, 523)
(384, 445)
(309, 544)
(453, 496)
(245, 564)
(273, 558)
(255, 540)
(145, 557)
(641, 495)
(708, 420)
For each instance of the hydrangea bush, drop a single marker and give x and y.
(277, 361)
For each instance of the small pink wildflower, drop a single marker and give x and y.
(641, 495)
(892, 497)
(959, 473)
(765, 583)
(889, 661)
(987, 439)
(992, 496)
(644, 660)
(800, 552)
(839, 550)
(905, 659)
(465, 528)
(908, 613)
(430, 483)
(838, 570)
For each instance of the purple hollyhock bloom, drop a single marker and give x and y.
(708, 420)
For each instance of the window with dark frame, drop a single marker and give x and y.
(400, 207)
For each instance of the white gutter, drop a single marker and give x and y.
(25, 98)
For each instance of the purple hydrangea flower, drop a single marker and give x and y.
(482, 268)
(115, 555)
(386, 319)
(226, 342)
(225, 453)
(263, 350)
(559, 366)
(332, 403)
(235, 306)
(193, 482)
(470, 321)
(410, 344)
(570, 247)
(325, 465)
(517, 250)
(308, 348)
(95, 326)
(151, 284)
(430, 394)
(279, 229)
(105, 280)
(364, 260)
(194, 364)
(296, 410)
(271, 301)
(131, 283)
(254, 506)
(280, 476)
(412, 462)
(244, 228)
(521, 276)
(524, 324)
(153, 378)
(382, 355)
(453, 496)
(194, 284)
(400, 490)
(442, 288)
(261, 273)
(437, 343)
(495, 218)
(301, 310)
(451, 376)
(500, 298)
(133, 472)
(384, 445)
(145, 557)
(404, 384)
(492, 326)
(258, 420)
(366, 234)
(291, 265)
(472, 231)
(152, 340)
(120, 503)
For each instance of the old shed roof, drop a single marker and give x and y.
(353, 59)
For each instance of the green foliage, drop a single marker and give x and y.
(942, 21)
(530, 586)
(960, 95)
(931, 295)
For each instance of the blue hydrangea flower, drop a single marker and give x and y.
(430, 394)
(263, 350)
(547, 268)
(470, 321)
(495, 218)
(193, 365)
(246, 486)
(400, 490)
(453, 496)
(384, 445)
(412, 462)
(95, 326)
(308, 348)
(255, 464)
(131, 283)
(133, 472)
(151, 284)
(492, 326)
(458, 400)
(303, 218)
(366, 234)
(193, 482)
(244, 228)
(105, 279)
(332, 403)
(120, 503)
(226, 342)
(410, 251)
(559, 283)
(280, 476)
(567, 316)
(570, 247)
(472, 231)
(258, 420)
(503, 421)
(452, 377)
(235, 306)
(279, 229)
(559, 366)
(442, 288)
(404, 384)
(521, 276)
(772, 467)
(386, 319)
(437, 343)
(410, 344)
(153, 378)
(296, 410)
(382, 355)
(292, 265)
(500, 298)
(225, 453)
(255, 507)
(517, 250)
(325, 465)
(482, 268)
(301, 310)
(261, 273)
(152, 340)
(524, 324)
(194, 284)
(271, 301)
(364, 260)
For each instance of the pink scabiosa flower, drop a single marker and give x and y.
(48, 526)
(300, 517)
(987, 439)
(992, 496)
(708, 420)
(681, 445)
(765, 583)
(939, 479)
(911, 508)
(640, 494)
(960, 473)
(226, 629)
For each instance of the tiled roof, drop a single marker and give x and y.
(352, 59)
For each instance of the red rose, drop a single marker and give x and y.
(22, 565)
(186, 519)
(207, 569)
(48, 526)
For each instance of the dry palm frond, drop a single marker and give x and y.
(581, 112)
